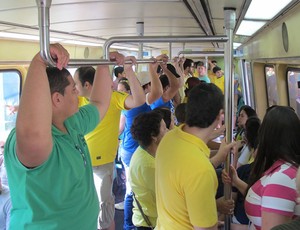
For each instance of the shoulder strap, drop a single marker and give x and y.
(142, 212)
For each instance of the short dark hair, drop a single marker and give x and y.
(166, 115)
(58, 79)
(191, 82)
(118, 70)
(204, 104)
(86, 74)
(180, 112)
(216, 69)
(200, 63)
(145, 126)
(187, 63)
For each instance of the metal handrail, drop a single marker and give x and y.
(156, 39)
(202, 53)
(44, 22)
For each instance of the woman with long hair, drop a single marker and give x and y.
(272, 197)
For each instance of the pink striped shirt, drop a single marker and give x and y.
(275, 192)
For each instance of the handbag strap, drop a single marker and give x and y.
(142, 212)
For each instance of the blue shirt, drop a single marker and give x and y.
(128, 143)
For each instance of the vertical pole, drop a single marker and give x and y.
(140, 32)
(206, 64)
(170, 50)
(229, 20)
(44, 23)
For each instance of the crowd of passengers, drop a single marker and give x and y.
(165, 122)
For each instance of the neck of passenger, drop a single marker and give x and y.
(151, 149)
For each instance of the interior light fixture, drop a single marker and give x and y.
(236, 45)
(247, 28)
(26, 37)
(82, 43)
(19, 36)
(36, 38)
(265, 9)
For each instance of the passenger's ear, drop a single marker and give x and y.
(87, 85)
(56, 99)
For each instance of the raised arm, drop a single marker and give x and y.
(178, 64)
(156, 87)
(102, 86)
(33, 125)
(137, 96)
(173, 84)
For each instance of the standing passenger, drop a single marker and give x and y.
(46, 156)
(272, 197)
(148, 129)
(202, 72)
(219, 78)
(119, 74)
(153, 91)
(185, 179)
(103, 140)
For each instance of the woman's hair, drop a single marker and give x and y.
(166, 115)
(248, 110)
(145, 126)
(124, 81)
(278, 138)
(251, 131)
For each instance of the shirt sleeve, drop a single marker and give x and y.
(279, 195)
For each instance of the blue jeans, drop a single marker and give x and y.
(128, 205)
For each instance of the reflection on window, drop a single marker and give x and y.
(293, 77)
(10, 81)
(271, 85)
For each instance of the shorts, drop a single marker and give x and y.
(103, 179)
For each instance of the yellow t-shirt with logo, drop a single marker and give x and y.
(103, 140)
(185, 183)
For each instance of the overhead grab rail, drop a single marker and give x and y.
(44, 23)
(202, 53)
(159, 39)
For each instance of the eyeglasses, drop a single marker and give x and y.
(81, 153)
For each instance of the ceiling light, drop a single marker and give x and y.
(265, 9)
(236, 45)
(248, 28)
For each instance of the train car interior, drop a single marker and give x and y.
(260, 38)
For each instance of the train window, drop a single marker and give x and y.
(271, 83)
(10, 88)
(293, 79)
